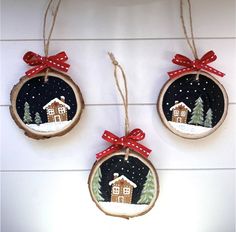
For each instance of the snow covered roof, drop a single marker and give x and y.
(180, 104)
(124, 178)
(58, 101)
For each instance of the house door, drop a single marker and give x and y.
(179, 119)
(121, 199)
(57, 118)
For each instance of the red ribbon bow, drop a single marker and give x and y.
(129, 141)
(195, 65)
(57, 61)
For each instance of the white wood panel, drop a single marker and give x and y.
(57, 202)
(77, 149)
(146, 64)
(190, 200)
(117, 19)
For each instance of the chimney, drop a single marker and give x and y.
(176, 102)
(115, 175)
(63, 99)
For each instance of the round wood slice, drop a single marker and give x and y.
(46, 108)
(124, 187)
(192, 107)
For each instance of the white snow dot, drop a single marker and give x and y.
(195, 90)
(187, 91)
(180, 90)
(119, 160)
(33, 97)
(191, 83)
(206, 82)
(204, 88)
(167, 103)
(186, 97)
(198, 83)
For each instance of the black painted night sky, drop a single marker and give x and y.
(134, 169)
(187, 89)
(38, 93)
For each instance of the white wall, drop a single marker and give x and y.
(44, 183)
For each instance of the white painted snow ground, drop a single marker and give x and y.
(49, 126)
(189, 129)
(122, 208)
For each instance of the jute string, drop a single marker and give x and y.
(46, 41)
(124, 95)
(190, 39)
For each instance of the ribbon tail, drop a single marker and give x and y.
(139, 148)
(176, 73)
(35, 70)
(212, 70)
(108, 151)
(59, 65)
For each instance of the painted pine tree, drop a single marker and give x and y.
(148, 190)
(197, 114)
(208, 119)
(27, 116)
(37, 119)
(96, 186)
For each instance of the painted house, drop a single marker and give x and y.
(180, 112)
(57, 110)
(122, 189)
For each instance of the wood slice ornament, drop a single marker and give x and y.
(193, 103)
(193, 108)
(46, 102)
(123, 182)
(45, 109)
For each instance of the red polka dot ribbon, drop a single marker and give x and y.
(195, 65)
(129, 141)
(57, 62)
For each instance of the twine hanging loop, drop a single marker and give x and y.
(130, 140)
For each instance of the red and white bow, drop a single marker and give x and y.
(129, 141)
(194, 65)
(57, 62)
